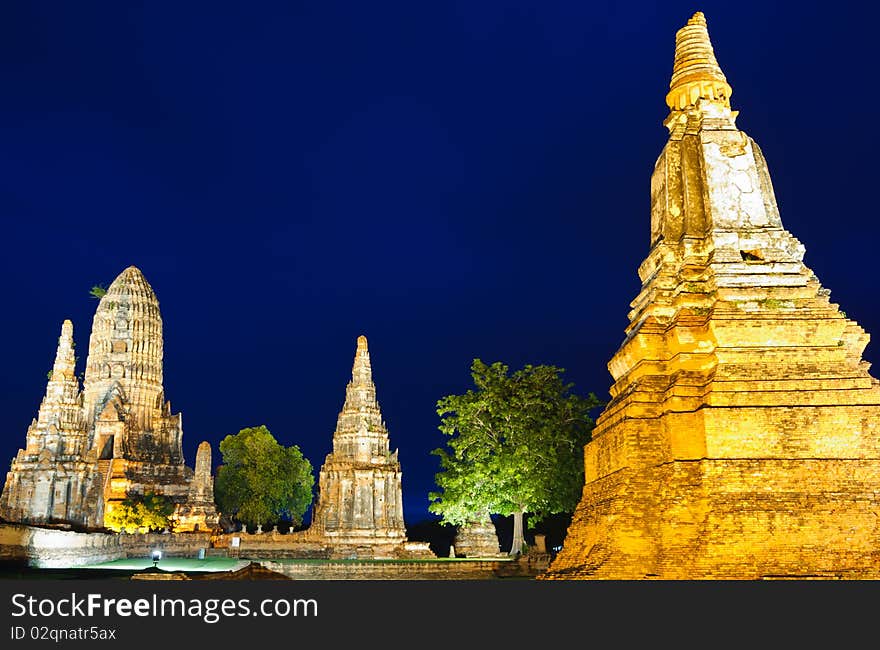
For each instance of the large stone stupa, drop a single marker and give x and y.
(742, 440)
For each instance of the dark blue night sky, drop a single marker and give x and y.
(452, 179)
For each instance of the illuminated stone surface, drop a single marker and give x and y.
(118, 435)
(53, 478)
(359, 509)
(743, 434)
(477, 539)
(199, 511)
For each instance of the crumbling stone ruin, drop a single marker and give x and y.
(87, 449)
(477, 539)
(359, 509)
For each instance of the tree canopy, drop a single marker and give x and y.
(141, 513)
(262, 482)
(515, 447)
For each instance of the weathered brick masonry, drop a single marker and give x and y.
(742, 439)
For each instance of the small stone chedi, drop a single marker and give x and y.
(359, 509)
(477, 539)
(88, 449)
(742, 440)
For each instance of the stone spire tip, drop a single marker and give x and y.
(66, 338)
(131, 270)
(131, 279)
(695, 71)
(65, 360)
(361, 373)
(128, 273)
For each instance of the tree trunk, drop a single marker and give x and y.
(518, 539)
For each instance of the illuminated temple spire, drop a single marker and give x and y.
(48, 481)
(125, 351)
(361, 391)
(359, 485)
(359, 507)
(741, 438)
(695, 71)
(360, 432)
(65, 360)
(59, 418)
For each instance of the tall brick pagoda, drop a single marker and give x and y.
(118, 435)
(742, 440)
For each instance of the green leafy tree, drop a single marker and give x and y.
(515, 447)
(98, 291)
(141, 513)
(262, 482)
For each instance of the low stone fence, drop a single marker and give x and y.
(51, 548)
(300, 544)
(171, 544)
(267, 545)
(439, 569)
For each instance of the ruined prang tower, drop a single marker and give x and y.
(130, 424)
(359, 511)
(742, 439)
(119, 432)
(54, 479)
